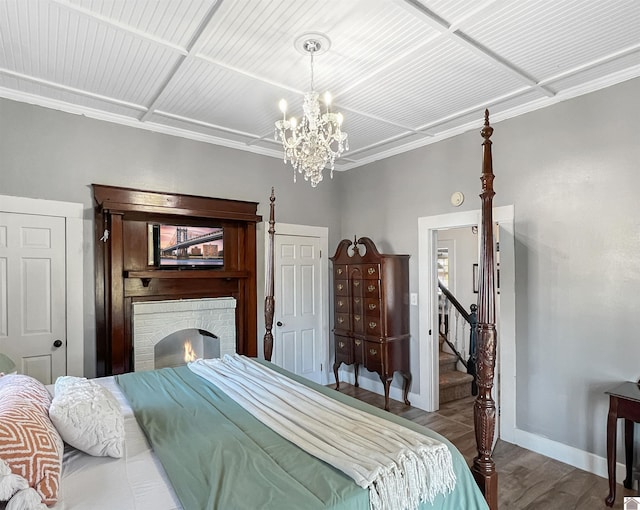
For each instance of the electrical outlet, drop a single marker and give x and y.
(414, 298)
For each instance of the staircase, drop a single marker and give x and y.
(453, 319)
(453, 383)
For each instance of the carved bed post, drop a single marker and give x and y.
(484, 410)
(269, 301)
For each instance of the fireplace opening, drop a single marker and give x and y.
(188, 319)
(185, 345)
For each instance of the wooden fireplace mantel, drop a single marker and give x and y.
(124, 275)
(168, 273)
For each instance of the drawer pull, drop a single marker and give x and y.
(356, 283)
(371, 270)
(340, 286)
(341, 345)
(356, 300)
(357, 318)
(358, 342)
(340, 320)
(371, 288)
(339, 271)
(340, 304)
(373, 352)
(372, 306)
(373, 325)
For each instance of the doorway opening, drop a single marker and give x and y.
(504, 384)
(457, 257)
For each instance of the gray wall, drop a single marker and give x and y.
(52, 155)
(572, 172)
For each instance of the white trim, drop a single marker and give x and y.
(322, 233)
(124, 120)
(22, 205)
(342, 165)
(567, 454)
(427, 336)
(347, 375)
(72, 90)
(118, 25)
(504, 217)
(427, 351)
(73, 214)
(516, 111)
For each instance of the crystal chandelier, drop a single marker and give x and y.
(317, 140)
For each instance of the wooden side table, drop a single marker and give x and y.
(624, 402)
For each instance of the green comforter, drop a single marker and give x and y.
(218, 456)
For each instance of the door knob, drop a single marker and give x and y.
(57, 343)
(278, 323)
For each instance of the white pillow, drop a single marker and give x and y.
(88, 417)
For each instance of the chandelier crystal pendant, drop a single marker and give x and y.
(318, 140)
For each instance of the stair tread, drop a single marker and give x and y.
(454, 378)
(446, 357)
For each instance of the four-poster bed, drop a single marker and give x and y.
(484, 410)
(162, 407)
(484, 413)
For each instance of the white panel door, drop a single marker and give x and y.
(32, 294)
(298, 322)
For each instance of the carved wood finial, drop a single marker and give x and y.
(487, 159)
(487, 130)
(272, 212)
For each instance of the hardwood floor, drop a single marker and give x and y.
(526, 480)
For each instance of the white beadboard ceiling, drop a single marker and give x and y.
(404, 73)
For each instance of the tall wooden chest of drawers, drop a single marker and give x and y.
(371, 323)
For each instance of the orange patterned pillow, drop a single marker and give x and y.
(29, 443)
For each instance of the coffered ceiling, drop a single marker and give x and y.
(404, 73)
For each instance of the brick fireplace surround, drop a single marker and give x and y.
(155, 320)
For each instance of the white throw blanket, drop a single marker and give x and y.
(401, 468)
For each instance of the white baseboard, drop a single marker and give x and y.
(567, 454)
(542, 445)
(375, 385)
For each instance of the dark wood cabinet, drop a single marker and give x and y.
(371, 302)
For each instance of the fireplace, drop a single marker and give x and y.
(185, 345)
(164, 330)
(126, 275)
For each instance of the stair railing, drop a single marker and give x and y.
(453, 320)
